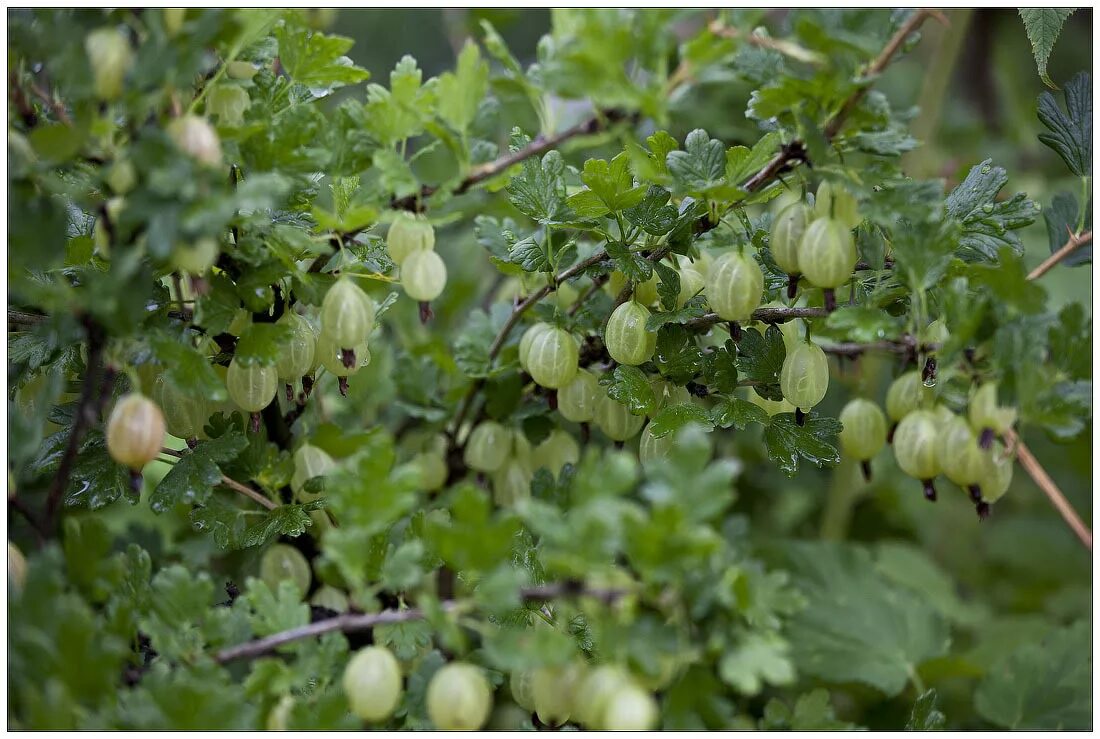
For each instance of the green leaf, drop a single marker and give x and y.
(1045, 685)
(539, 190)
(1007, 280)
(757, 660)
(186, 368)
(1043, 25)
(462, 91)
(97, 480)
(862, 323)
(316, 60)
(925, 715)
(813, 711)
(856, 627)
(242, 528)
(720, 369)
(677, 355)
(1061, 218)
(402, 111)
(668, 287)
(472, 345)
(760, 360)
(694, 308)
(653, 214)
(674, 417)
(742, 162)
(263, 343)
(813, 441)
(631, 387)
(636, 268)
(738, 413)
(474, 538)
(612, 184)
(193, 478)
(1070, 132)
(988, 224)
(700, 166)
(529, 255)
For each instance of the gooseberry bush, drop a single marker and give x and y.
(513, 398)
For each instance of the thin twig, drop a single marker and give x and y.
(1075, 241)
(25, 318)
(230, 483)
(351, 622)
(763, 315)
(787, 48)
(1042, 479)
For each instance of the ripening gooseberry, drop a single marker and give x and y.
(240, 70)
(552, 358)
(616, 420)
(309, 462)
(173, 19)
(331, 357)
(834, 201)
(594, 691)
(110, 57)
(553, 689)
(577, 398)
(511, 482)
(298, 356)
(17, 566)
(432, 468)
(787, 231)
(408, 233)
(556, 450)
(692, 282)
(630, 708)
(459, 697)
(996, 473)
(228, 103)
(626, 337)
(197, 138)
(195, 258)
(184, 415)
(735, 286)
(488, 447)
(804, 378)
(347, 314)
(423, 275)
(916, 447)
(372, 683)
(864, 432)
(528, 338)
(284, 562)
(960, 457)
(135, 431)
(519, 683)
(644, 293)
(906, 394)
(251, 386)
(650, 448)
(771, 407)
(828, 253)
(668, 393)
(986, 415)
(330, 598)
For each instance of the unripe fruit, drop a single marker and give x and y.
(529, 338)
(996, 473)
(828, 255)
(252, 386)
(284, 562)
(864, 432)
(691, 282)
(433, 469)
(959, 455)
(985, 413)
(512, 482)
(347, 314)
(242, 319)
(111, 57)
(595, 691)
(668, 393)
(297, 356)
(423, 275)
(408, 234)
(240, 70)
(184, 415)
(553, 689)
(331, 357)
(309, 462)
(916, 444)
(630, 708)
(735, 286)
(804, 378)
(279, 716)
(552, 358)
(788, 228)
(121, 177)
(644, 293)
(771, 407)
(135, 431)
(626, 337)
(577, 398)
(331, 598)
(17, 567)
(651, 449)
(372, 683)
(488, 447)
(196, 137)
(906, 394)
(173, 19)
(459, 697)
(195, 258)
(834, 201)
(556, 450)
(616, 420)
(520, 684)
(228, 104)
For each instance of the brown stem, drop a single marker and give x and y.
(1075, 241)
(350, 622)
(230, 483)
(1031, 465)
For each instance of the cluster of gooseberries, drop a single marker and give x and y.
(601, 698)
(929, 439)
(410, 243)
(507, 457)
